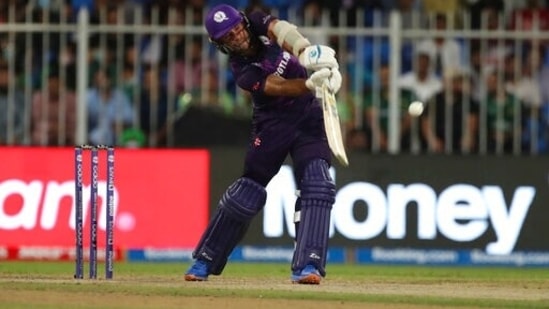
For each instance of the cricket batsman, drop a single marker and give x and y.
(271, 59)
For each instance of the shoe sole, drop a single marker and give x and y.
(190, 277)
(309, 279)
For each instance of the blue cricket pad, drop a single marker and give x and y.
(317, 198)
(238, 206)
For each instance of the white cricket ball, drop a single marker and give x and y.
(416, 108)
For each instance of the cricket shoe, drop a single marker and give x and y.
(198, 271)
(308, 275)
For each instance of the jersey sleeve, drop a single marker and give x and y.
(252, 79)
(259, 22)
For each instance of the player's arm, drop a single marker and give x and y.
(279, 86)
(276, 85)
(287, 36)
(252, 79)
(312, 57)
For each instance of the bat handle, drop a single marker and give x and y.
(319, 92)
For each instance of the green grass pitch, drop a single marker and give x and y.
(265, 285)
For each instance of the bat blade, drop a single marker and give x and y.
(332, 125)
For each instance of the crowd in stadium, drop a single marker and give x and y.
(499, 82)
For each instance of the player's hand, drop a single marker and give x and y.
(316, 57)
(335, 80)
(317, 79)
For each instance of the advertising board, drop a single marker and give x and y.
(161, 199)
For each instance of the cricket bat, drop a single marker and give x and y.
(331, 124)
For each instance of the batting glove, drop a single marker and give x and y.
(317, 79)
(335, 80)
(316, 57)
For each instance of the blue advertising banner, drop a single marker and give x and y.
(377, 255)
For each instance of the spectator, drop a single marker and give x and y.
(11, 109)
(312, 17)
(412, 17)
(133, 138)
(109, 110)
(423, 85)
(154, 108)
(376, 114)
(53, 113)
(197, 10)
(153, 47)
(19, 8)
(449, 124)
(445, 52)
(484, 11)
(105, 46)
(500, 114)
(410, 10)
(421, 81)
(187, 69)
(534, 15)
(524, 84)
(493, 51)
(345, 13)
(129, 81)
(44, 51)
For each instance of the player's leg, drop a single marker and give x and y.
(312, 156)
(239, 204)
(317, 198)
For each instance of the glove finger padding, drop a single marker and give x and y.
(318, 78)
(316, 57)
(335, 80)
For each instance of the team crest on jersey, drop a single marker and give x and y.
(257, 142)
(255, 87)
(265, 40)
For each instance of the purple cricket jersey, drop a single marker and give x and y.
(251, 73)
(282, 125)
